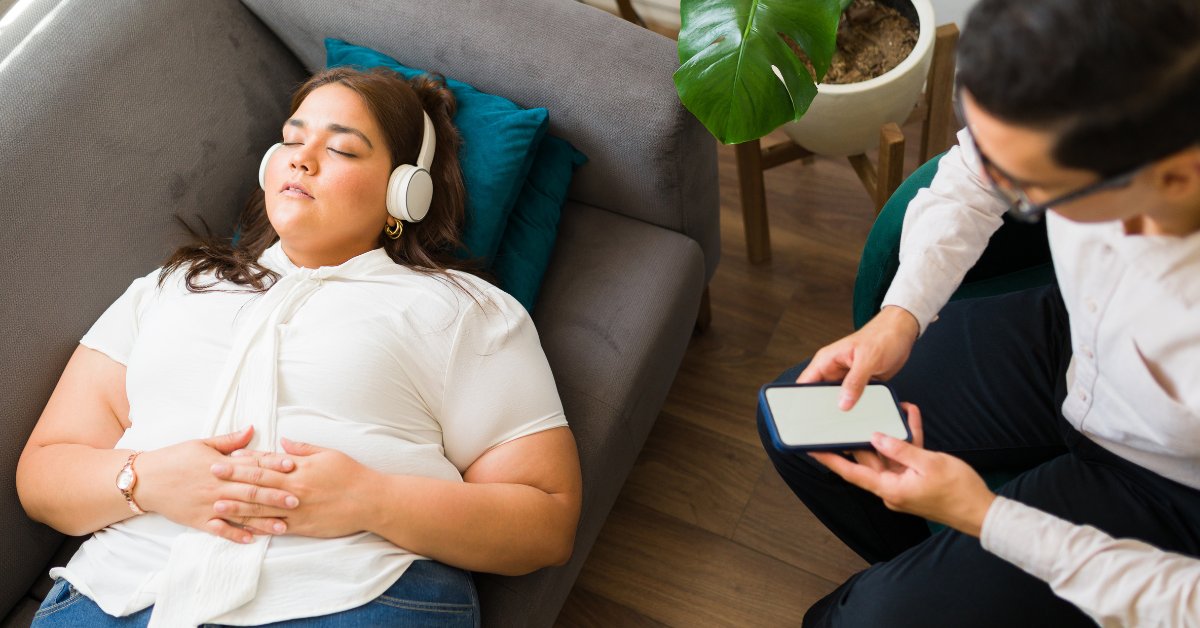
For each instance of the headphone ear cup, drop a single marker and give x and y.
(262, 168)
(409, 193)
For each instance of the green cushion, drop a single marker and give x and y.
(499, 141)
(533, 226)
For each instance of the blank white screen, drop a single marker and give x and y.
(809, 415)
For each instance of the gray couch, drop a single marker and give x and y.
(116, 115)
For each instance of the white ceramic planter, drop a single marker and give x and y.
(845, 119)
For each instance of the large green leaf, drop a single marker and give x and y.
(727, 49)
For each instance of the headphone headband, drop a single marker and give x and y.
(428, 141)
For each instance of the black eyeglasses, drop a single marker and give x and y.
(1025, 210)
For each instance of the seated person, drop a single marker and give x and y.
(1085, 111)
(328, 419)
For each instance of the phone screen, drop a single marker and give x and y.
(808, 417)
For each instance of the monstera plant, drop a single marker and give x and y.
(738, 75)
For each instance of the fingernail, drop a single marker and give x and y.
(237, 453)
(845, 401)
(220, 506)
(287, 465)
(291, 501)
(220, 468)
(279, 528)
(249, 538)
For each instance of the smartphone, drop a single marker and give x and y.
(806, 417)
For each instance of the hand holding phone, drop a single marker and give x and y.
(806, 417)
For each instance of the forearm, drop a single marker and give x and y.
(1115, 581)
(72, 487)
(509, 529)
(946, 228)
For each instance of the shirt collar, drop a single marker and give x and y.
(1173, 261)
(275, 259)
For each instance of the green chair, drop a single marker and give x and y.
(1017, 257)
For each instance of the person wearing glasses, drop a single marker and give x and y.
(1088, 389)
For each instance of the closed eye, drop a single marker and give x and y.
(343, 153)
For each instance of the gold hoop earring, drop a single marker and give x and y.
(393, 231)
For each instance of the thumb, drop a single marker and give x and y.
(231, 442)
(299, 449)
(905, 453)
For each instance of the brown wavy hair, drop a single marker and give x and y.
(429, 246)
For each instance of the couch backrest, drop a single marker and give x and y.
(610, 96)
(113, 117)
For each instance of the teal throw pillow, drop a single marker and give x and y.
(533, 226)
(499, 140)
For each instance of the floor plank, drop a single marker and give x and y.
(694, 475)
(777, 524)
(680, 575)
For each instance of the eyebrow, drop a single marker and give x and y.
(335, 128)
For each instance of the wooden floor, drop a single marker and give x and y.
(705, 533)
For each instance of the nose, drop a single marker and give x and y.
(302, 158)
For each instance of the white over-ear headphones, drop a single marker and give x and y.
(409, 189)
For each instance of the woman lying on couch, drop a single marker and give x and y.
(328, 420)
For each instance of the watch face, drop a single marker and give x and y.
(125, 479)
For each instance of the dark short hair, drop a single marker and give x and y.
(1117, 80)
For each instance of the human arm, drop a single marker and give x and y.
(515, 511)
(67, 472)
(946, 228)
(1117, 582)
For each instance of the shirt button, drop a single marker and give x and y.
(1091, 305)
(1087, 353)
(1082, 394)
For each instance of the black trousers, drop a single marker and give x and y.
(989, 379)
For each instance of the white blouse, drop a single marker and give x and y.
(404, 371)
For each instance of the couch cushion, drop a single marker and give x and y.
(532, 228)
(116, 116)
(607, 82)
(615, 315)
(499, 141)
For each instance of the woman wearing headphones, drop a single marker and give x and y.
(319, 423)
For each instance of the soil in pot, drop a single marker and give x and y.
(872, 39)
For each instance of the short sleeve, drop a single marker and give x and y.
(117, 329)
(498, 384)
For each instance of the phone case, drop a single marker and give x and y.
(779, 444)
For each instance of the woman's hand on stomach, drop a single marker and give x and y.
(330, 486)
(187, 483)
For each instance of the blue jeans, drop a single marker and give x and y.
(428, 594)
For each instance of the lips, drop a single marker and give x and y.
(295, 190)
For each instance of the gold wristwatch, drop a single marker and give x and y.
(126, 480)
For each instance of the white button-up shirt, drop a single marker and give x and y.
(1133, 383)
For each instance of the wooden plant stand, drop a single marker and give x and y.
(934, 109)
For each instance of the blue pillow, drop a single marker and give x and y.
(533, 226)
(499, 140)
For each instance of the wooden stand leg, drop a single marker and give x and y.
(754, 201)
(891, 164)
(704, 317)
(629, 14)
(939, 93)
